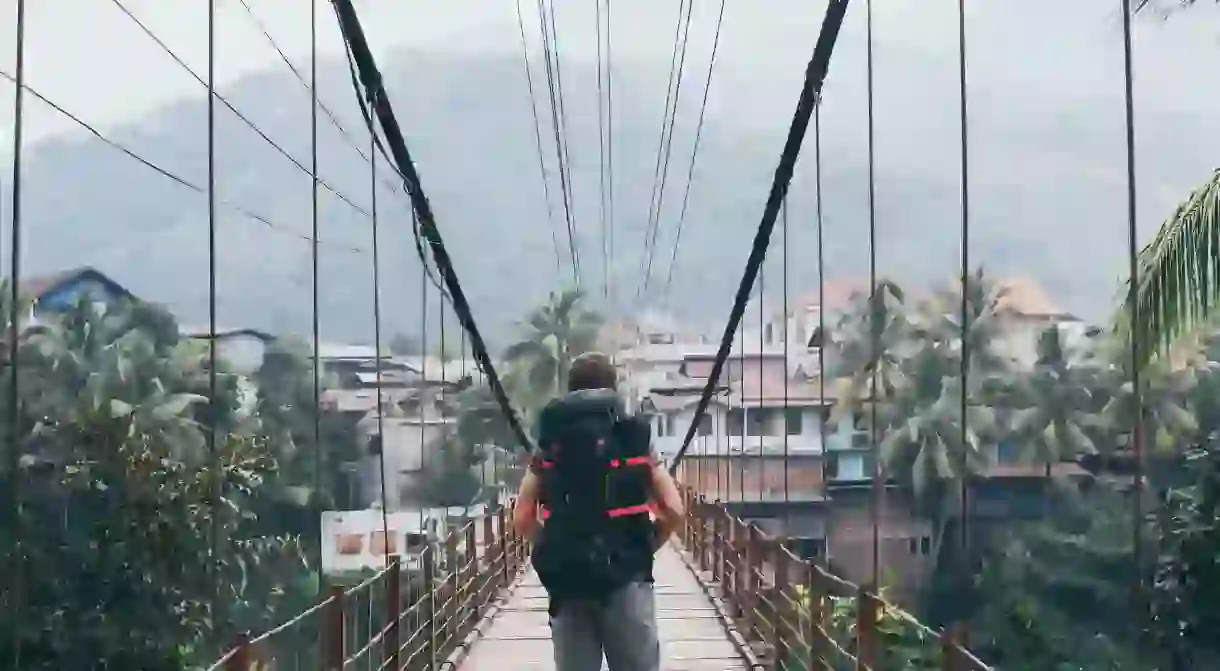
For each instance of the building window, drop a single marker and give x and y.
(859, 421)
(920, 546)
(736, 421)
(769, 334)
(756, 421)
(705, 425)
(793, 421)
(1009, 452)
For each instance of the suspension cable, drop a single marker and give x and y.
(370, 78)
(232, 108)
(613, 300)
(762, 464)
(601, 157)
(213, 449)
(787, 373)
(1136, 353)
(965, 263)
(673, 88)
(546, 189)
(823, 413)
(815, 74)
(874, 312)
(16, 551)
(559, 129)
(694, 156)
(377, 368)
(315, 309)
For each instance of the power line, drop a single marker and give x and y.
(690, 172)
(546, 189)
(815, 75)
(244, 119)
(197, 188)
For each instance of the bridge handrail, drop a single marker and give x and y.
(397, 618)
(781, 604)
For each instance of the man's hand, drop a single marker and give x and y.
(525, 514)
(667, 504)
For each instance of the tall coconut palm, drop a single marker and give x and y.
(874, 336)
(1055, 404)
(553, 335)
(1178, 284)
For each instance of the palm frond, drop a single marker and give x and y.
(1178, 283)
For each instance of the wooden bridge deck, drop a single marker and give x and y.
(693, 633)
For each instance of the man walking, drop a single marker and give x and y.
(588, 503)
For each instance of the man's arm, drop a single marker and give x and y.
(525, 514)
(667, 504)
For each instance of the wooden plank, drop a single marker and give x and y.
(693, 637)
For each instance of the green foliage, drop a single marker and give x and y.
(904, 643)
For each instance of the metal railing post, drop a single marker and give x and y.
(334, 637)
(393, 612)
(867, 609)
(428, 605)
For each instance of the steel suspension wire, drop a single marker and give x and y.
(1136, 354)
(370, 79)
(762, 464)
(213, 448)
(823, 411)
(232, 108)
(315, 308)
(377, 368)
(610, 161)
(559, 127)
(423, 376)
(963, 120)
(669, 145)
(874, 316)
(601, 157)
(16, 568)
(694, 156)
(199, 188)
(815, 74)
(546, 189)
(787, 374)
(672, 86)
(741, 384)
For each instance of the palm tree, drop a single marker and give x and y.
(1178, 284)
(1054, 404)
(553, 335)
(873, 336)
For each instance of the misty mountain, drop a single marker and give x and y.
(1047, 190)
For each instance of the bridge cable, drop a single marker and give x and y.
(963, 400)
(296, 72)
(315, 304)
(371, 80)
(232, 108)
(690, 172)
(559, 128)
(815, 75)
(874, 311)
(218, 605)
(546, 189)
(673, 87)
(762, 279)
(787, 373)
(16, 551)
(601, 156)
(1136, 353)
(823, 413)
(381, 446)
(201, 189)
(423, 375)
(609, 60)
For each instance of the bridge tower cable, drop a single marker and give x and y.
(370, 79)
(690, 171)
(815, 75)
(875, 325)
(16, 568)
(377, 367)
(546, 189)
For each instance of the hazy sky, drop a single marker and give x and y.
(1045, 82)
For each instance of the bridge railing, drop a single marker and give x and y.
(408, 616)
(795, 616)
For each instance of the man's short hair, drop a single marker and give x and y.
(592, 370)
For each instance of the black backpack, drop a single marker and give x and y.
(596, 473)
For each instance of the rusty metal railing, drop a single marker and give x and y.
(397, 619)
(796, 616)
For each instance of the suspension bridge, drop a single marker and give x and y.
(730, 595)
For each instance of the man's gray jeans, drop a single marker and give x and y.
(623, 627)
